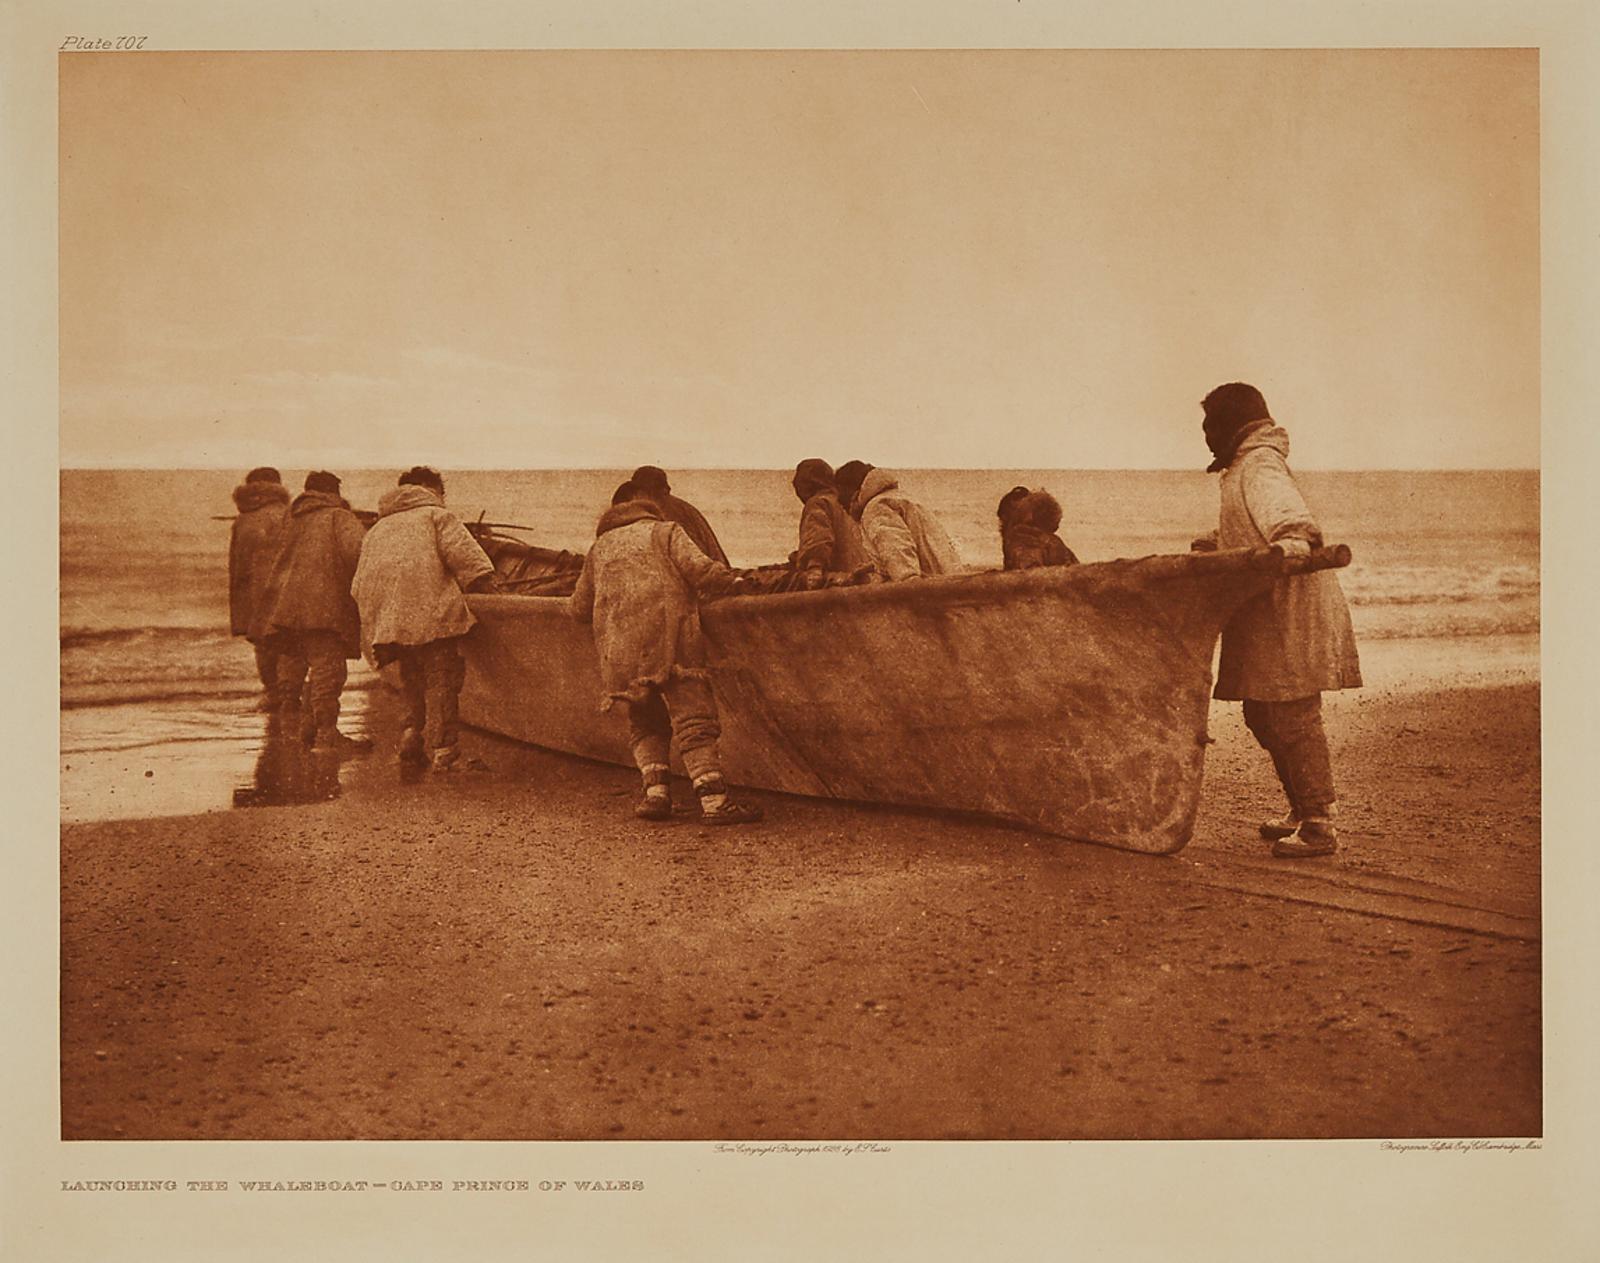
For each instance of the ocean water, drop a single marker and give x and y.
(145, 649)
(144, 612)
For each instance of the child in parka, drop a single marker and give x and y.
(640, 588)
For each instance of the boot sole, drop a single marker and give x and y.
(1285, 852)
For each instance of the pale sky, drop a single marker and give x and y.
(599, 259)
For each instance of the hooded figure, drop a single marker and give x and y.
(263, 504)
(308, 610)
(1294, 642)
(651, 482)
(1028, 525)
(903, 538)
(640, 588)
(847, 480)
(416, 562)
(830, 539)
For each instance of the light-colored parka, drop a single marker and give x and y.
(1295, 640)
(415, 562)
(252, 548)
(905, 540)
(639, 587)
(310, 585)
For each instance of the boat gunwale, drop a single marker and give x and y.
(963, 587)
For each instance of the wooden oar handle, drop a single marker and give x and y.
(1328, 557)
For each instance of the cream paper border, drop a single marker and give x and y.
(1306, 1201)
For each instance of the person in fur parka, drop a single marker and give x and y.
(1028, 525)
(640, 588)
(903, 538)
(1294, 642)
(253, 544)
(309, 612)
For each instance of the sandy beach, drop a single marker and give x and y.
(509, 954)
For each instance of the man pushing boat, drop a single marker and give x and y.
(1294, 642)
(640, 588)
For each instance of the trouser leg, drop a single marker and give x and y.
(444, 672)
(413, 704)
(267, 666)
(413, 688)
(1292, 733)
(693, 710)
(650, 735)
(1258, 718)
(325, 679)
(290, 672)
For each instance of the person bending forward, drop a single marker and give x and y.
(415, 563)
(640, 588)
(308, 614)
(253, 544)
(903, 538)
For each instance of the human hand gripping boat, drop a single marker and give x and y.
(1070, 699)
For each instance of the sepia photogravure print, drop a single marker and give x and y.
(550, 648)
(802, 601)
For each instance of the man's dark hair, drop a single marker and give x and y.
(322, 480)
(422, 476)
(264, 473)
(625, 491)
(1235, 403)
(1229, 409)
(649, 478)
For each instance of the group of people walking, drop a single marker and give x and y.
(313, 587)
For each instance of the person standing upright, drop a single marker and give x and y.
(652, 483)
(263, 504)
(310, 613)
(1294, 642)
(416, 562)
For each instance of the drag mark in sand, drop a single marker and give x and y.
(1393, 899)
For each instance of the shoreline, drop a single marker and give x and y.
(202, 746)
(510, 954)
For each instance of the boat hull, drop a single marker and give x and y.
(1072, 700)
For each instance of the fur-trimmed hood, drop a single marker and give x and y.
(1260, 434)
(315, 502)
(875, 483)
(250, 496)
(1039, 508)
(399, 499)
(626, 514)
(812, 477)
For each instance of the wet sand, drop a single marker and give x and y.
(509, 954)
